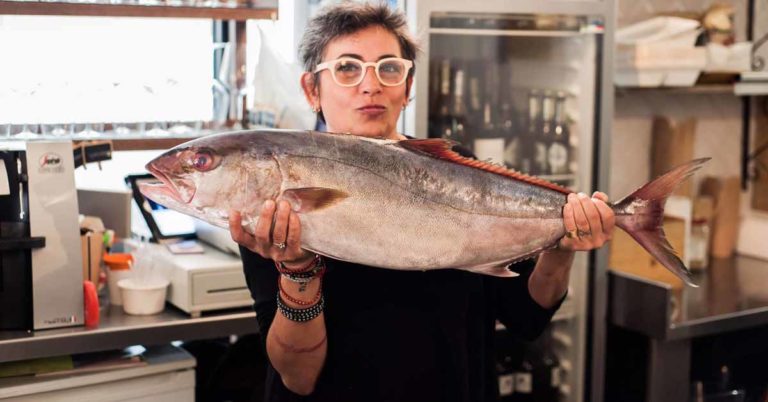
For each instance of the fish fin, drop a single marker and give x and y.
(443, 149)
(493, 269)
(310, 199)
(641, 215)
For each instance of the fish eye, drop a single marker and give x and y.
(203, 161)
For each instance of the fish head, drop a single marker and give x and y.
(209, 177)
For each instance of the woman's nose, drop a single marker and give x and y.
(370, 82)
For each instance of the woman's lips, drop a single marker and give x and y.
(372, 110)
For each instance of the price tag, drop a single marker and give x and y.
(506, 384)
(523, 383)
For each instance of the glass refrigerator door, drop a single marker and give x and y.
(520, 90)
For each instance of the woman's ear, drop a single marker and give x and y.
(311, 93)
(408, 84)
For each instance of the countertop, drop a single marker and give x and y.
(732, 295)
(117, 330)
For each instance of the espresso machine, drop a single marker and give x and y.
(41, 282)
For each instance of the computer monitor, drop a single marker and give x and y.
(112, 206)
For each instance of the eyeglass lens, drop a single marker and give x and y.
(350, 71)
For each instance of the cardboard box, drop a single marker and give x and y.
(726, 193)
(760, 183)
(91, 245)
(627, 255)
(672, 146)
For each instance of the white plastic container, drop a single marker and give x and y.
(113, 277)
(659, 52)
(143, 298)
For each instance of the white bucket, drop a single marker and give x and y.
(143, 298)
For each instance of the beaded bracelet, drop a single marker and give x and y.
(297, 301)
(300, 314)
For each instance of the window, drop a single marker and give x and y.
(106, 70)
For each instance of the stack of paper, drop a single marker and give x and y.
(752, 83)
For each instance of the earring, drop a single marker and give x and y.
(316, 108)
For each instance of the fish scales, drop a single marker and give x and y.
(410, 205)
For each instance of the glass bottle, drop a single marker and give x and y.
(527, 144)
(558, 154)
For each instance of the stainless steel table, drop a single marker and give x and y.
(118, 330)
(732, 295)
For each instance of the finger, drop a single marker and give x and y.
(568, 219)
(570, 224)
(279, 233)
(600, 196)
(593, 216)
(235, 229)
(265, 223)
(294, 234)
(608, 218)
(582, 223)
(239, 235)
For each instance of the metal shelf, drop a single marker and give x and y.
(693, 90)
(258, 9)
(505, 32)
(132, 142)
(118, 330)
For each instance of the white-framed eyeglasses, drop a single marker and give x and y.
(349, 72)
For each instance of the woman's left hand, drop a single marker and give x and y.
(588, 222)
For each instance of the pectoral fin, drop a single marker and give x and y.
(493, 269)
(310, 199)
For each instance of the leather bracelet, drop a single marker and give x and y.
(317, 270)
(297, 301)
(300, 314)
(307, 268)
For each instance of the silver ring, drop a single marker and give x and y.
(281, 246)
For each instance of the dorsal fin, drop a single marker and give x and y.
(443, 149)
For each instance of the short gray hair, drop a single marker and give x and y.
(347, 18)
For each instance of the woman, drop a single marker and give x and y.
(340, 331)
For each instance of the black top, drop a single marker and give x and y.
(405, 335)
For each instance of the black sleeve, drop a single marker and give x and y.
(261, 278)
(515, 307)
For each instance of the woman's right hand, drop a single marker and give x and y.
(284, 243)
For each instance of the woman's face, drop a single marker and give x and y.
(369, 109)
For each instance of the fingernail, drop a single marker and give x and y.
(582, 195)
(269, 204)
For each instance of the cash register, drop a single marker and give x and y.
(203, 276)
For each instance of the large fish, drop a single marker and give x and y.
(411, 205)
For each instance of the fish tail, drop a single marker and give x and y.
(641, 214)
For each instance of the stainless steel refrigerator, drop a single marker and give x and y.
(528, 84)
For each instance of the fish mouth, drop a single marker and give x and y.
(177, 188)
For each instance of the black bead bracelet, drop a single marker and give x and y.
(300, 315)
